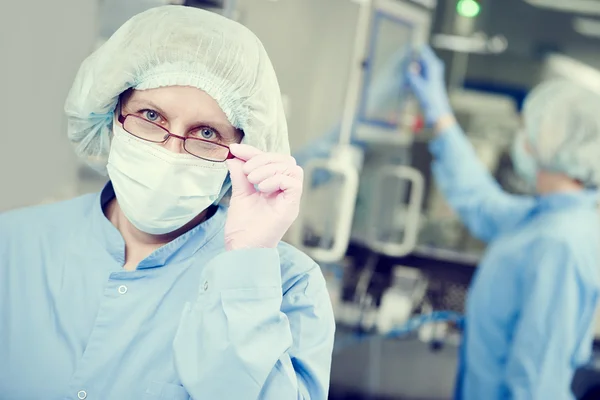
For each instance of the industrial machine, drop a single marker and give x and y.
(372, 196)
(361, 217)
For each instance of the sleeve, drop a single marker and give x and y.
(245, 338)
(470, 189)
(555, 310)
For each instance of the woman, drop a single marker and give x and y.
(531, 305)
(150, 290)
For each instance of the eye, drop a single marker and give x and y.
(151, 115)
(206, 133)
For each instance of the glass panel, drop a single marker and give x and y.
(383, 105)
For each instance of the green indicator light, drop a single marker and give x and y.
(468, 8)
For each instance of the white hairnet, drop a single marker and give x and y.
(177, 46)
(562, 123)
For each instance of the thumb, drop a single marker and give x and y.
(239, 181)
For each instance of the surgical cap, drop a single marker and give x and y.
(562, 124)
(177, 46)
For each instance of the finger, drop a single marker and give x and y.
(290, 186)
(431, 63)
(295, 172)
(239, 182)
(266, 159)
(428, 54)
(244, 151)
(266, 171)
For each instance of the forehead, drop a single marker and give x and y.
(181, 102)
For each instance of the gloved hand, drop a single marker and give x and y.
(427, 83)
(258, 217)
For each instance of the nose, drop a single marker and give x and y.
(174, 143)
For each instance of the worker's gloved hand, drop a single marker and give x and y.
(265, 201)
(425, 75)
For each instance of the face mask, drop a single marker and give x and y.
(523, 162)
(160, 191)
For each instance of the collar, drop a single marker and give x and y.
(185, 246)
(556, 201)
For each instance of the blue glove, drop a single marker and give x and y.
(427, 83)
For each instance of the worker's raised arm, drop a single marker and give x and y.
(466, 184)
(470, 189)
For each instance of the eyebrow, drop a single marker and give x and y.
(147, 103)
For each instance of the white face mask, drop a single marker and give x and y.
(160, 191)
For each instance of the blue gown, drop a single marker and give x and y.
(193, 321)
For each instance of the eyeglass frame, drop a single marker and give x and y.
(122, 119)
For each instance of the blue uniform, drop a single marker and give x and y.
(531, 305)
(193, 321)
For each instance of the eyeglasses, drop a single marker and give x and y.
(143, 129)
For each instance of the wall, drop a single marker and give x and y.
(42, 44)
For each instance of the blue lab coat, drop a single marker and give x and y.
(193, 321)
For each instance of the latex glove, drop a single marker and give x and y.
(427, 83)
(265, 200)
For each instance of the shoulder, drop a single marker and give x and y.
(577, 233)
(568, 253)
(47, 217)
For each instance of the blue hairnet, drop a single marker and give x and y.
(562, 124)
(177, 46)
